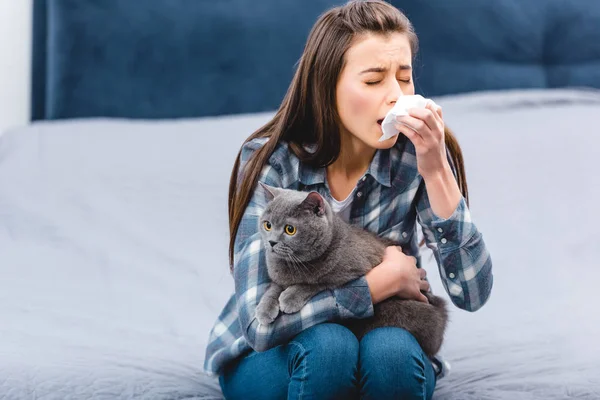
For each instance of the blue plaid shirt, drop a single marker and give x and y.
(389, 199)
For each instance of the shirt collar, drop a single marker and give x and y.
(311, 176)
(379, 168)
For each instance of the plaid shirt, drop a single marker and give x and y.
(389, 199)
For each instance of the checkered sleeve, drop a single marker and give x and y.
(251, 278)
(463, 259)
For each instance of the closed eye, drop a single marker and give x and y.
(371, 83)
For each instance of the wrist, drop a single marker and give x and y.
(443, 174)
(443, 192)
(378, 286)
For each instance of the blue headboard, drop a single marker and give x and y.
(192, 58)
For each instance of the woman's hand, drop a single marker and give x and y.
(397, 275)
(424, 127)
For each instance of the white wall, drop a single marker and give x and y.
(15, 61)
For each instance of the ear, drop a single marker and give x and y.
(315, 203)
(269, 191)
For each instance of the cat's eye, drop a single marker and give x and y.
(290, 230)
(267, 225)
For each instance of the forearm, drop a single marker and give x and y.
(379, 286)
(443, 192)
(464, 261)
(349, 301)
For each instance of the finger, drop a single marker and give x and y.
(412, 122)
(391, 250)
(418, 126)
(396, 249)
(437, 111)
(422, 273)
(426, 115)
(423, 298)
(410, 133)
(425, 286)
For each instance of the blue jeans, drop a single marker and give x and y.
(326, 361)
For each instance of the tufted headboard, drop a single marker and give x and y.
(192, 58)
(471, 45)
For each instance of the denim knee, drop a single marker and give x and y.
(393, 365)
(333, 343)
(323, 361)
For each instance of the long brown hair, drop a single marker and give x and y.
(308, 111)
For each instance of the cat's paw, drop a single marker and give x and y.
(291, 300)
(267, 311)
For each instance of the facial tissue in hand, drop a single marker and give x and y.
(401, 108)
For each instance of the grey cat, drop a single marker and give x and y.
(310, 249)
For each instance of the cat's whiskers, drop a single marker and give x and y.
(292, 263)
(283, 250)
(297, 266)
(302, 264)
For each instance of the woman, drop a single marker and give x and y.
(325, 137)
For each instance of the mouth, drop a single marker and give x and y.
(278, 251)
(380, 121)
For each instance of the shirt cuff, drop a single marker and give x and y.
(354, 299)
(455, 231)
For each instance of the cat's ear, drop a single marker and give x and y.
(269, 191)
(314, 202)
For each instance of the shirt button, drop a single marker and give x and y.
(358, 194)
(440, 230)
(404, 234)
(444, 241)
(364, 178)
(451, 275)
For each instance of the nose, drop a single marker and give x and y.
(394, 92)
(272, 243)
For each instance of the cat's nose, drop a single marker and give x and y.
(272, 243)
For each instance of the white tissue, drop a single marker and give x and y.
(401, 108)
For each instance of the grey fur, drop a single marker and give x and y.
(325, 253)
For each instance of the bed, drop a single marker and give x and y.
(113, 216)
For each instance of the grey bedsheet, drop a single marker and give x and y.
(113, 252)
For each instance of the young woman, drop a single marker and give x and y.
(325, 137)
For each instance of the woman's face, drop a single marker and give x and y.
(377, 71)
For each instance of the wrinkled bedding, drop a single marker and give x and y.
(113, 252)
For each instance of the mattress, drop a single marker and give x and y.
(113, 244)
